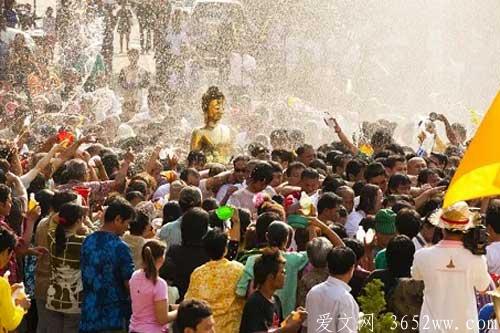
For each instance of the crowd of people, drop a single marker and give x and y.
(104, 229)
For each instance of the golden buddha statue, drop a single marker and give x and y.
(213, 139)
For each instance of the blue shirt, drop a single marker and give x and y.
(106, 264)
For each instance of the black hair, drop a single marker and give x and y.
(430, 206)
(374, 170)
(277, 233)
(357, 187)
(209, 204)
(69, 214)
(37, 184)
(309, 173)
(241, 158)
(194, 226)
(368, 197)
(150, 253)
(328, 200)
(399, 255)
(331, 183)
(492, 217)
(138, 185)
(110, 162)
(395, 148)
(302, 149)
(214, 221)
(190, 313)
(282, 155)
(294, 165)
(423, 176)
(262, 171)
(390, 162)
(76, 170)
(265, 265)
(171, 212)
(408, 222)
(442, 158)
(215, 243)
(397, 180)
(368, 223)
(356, 246)
(339, 229)
(262, 223)
(276, 167)
(44, 199)
(119, 207)
(381, 138)
(5, 193)
(318, 165)
(340, 260)
(7, 240)
(139, 224)
(132, 195)
(62, 197)
(353, 168)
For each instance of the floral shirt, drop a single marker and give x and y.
(106, 264)
(206, 284)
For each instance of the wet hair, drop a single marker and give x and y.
(69, 214)
(119, 207)
(215, 243)
(139, 224)
(340, 260)
(151, 252)
(408, 222)
(194, 226)
(442, 158)
(492, 217)
(110, 162)
(277, 234)
(189, 197)
(368, 197)
(265, 265)
(294, 165)
(209, 204)
(37, 184)
(282, 155)
(138, 185)
(318, 165)
(395, 148)
(397, 180)
(171, 212)
(44, 199)
(213, 93)
(399, 255)
(339, 229)
(132, 195)
(328, 200)
(262, 224)
(187, 172)
(76, 169)
(391, 161)
(190, 313)
(356, 246)
(374, 170)
(332, 183)
(317, 251)
(424, 175)
(7, 240)
(309, 173)
(276, 167)
(241, 158)
(302, 149)
(62, 197)
(263, 171)
(354, 167)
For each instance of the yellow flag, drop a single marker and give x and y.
(478, 174)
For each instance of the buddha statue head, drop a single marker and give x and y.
(212, 104)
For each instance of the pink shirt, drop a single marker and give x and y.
(143, 294)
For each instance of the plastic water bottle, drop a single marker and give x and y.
(32, 203)
(360, 234)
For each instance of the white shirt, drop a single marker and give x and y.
(418, 240)
(223, 190)
(331, 308)
(493, 257)
(353, 220)
(450, 273)
(243, 198)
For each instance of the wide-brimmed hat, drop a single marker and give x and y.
(455, 217)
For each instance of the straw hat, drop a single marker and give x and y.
(455, 217)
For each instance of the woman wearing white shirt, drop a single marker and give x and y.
(370, 203)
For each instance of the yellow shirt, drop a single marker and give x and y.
(10, 314)
(215, 282)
